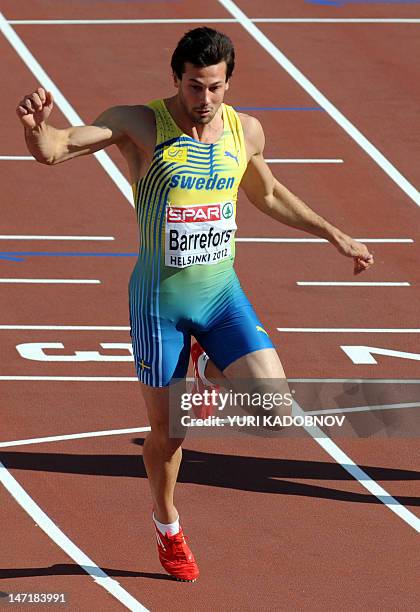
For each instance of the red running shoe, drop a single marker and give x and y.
(176, 557)
(199, 386)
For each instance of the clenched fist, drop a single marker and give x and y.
(352, 248)
(35, 108)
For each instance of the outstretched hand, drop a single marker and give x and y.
(360, 253)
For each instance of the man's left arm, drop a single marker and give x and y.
(274, 199)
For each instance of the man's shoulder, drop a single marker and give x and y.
(253, 132)
(139, 123)
(136, 123)
(135, 112)
(125, 115)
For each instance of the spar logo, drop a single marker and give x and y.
(196, 214)
(227, 210)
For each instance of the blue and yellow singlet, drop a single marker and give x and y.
(183, 283)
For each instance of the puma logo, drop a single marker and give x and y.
(235, 157)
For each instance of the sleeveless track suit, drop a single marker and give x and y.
(183, 283)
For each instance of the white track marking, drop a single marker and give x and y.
(62, 103)
(358, 474)
(52, 281)
(322, 240)
(332, 330)
(77, 436)
(134, 379)
(332, 20)
(74, 378)
(349, 284)
(198, 20)
(120, 432)
(269, 161)
(285, 160)
(351, 330)
(33, 237)
(16, 158)
(68, 327)
(315, 93)
(369, 381)
(291, 240)
(113, 21)
(62, 541)
(362, 409)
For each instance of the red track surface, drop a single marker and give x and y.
(275, 524)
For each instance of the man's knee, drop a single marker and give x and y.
(162, 442)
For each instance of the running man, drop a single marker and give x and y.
(187, 155)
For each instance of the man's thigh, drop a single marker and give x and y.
(235, 331)
(264, 363)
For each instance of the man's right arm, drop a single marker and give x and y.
(50, 145)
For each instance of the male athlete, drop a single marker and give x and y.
(187, 156)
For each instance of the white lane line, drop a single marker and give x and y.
(74, 378)
(198, 20)
(323, 241)
(113, 21)
(134, 379)
(369, 381)
(405, 406)
(349, 284)
(37, 237)
(351, 330)
(76, 436)
(69, 327)
(332, 20)
(52, 281)
(62, 103)
(62, 541)
(17, 158)
(334, 451)
(315, 93)
(269, 161)
(279, 160)
(332, 330)
(250, 239)
(284, 160)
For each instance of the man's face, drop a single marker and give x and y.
(201, 91)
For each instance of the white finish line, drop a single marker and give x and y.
(349, 284)
(62, 541)
(52, 281)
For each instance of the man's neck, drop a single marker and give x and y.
(208, 132)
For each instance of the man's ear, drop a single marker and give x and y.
(176, 80)
(227, 84)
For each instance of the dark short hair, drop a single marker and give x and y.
(203, 47)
